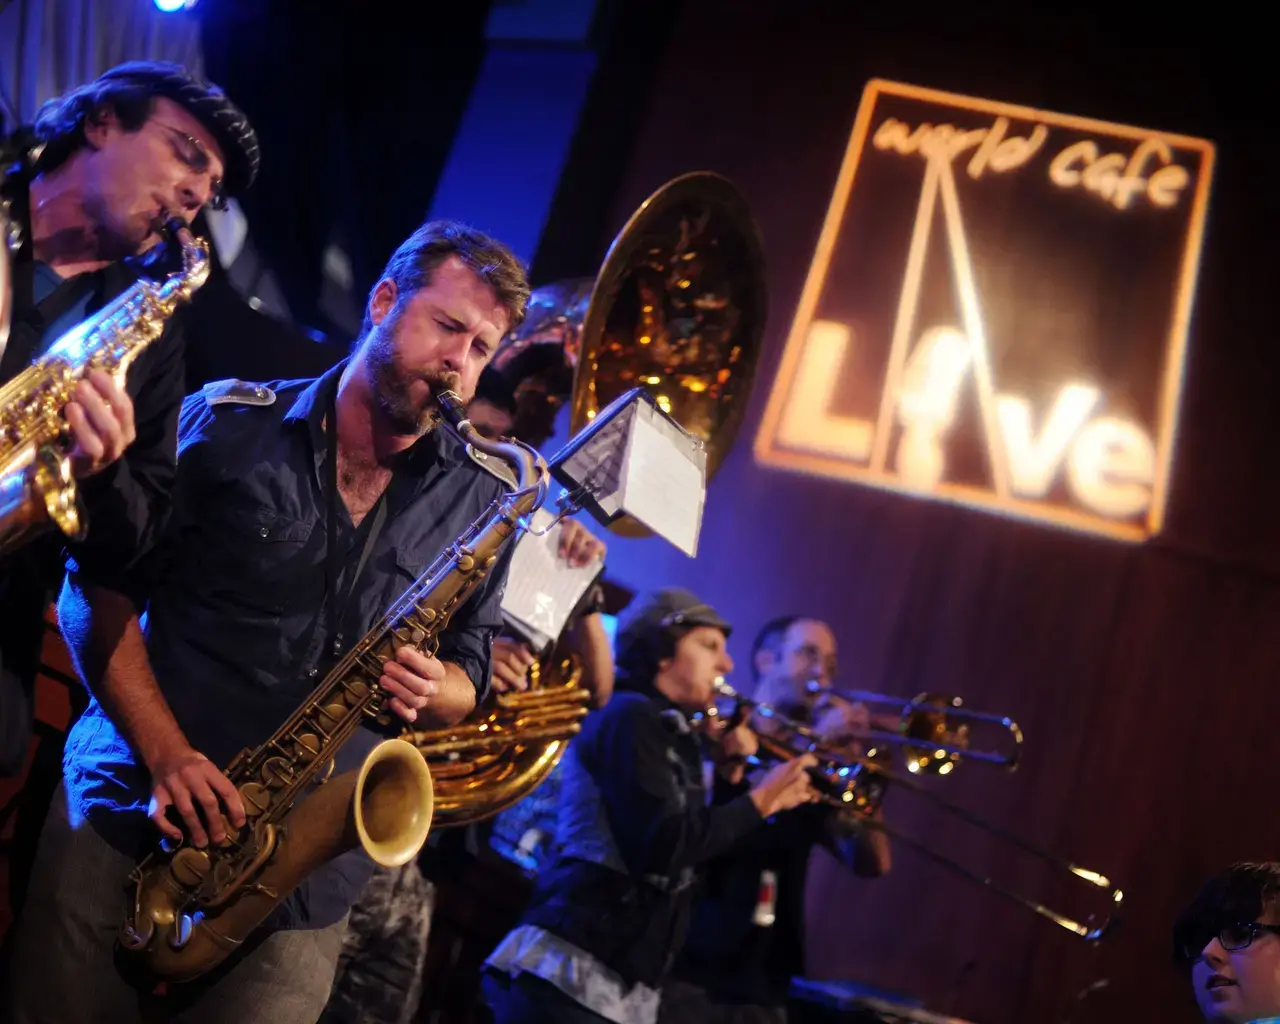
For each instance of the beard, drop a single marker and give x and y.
(393, 386)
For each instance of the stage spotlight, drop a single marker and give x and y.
(169, 6)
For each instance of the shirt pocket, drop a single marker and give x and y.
(257, 562)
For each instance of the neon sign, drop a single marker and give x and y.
(996, 315)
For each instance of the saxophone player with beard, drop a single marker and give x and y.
(302, 510)
(384, 953)
(85, 191)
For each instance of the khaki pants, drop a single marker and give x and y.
(63, 969)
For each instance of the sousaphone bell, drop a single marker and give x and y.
(677, 308)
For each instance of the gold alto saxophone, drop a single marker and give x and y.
(191, 908)
(36, 485)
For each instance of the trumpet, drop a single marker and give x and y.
(927, 732)
(858, 785)
(841, 783)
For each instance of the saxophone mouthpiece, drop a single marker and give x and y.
(172, 227)
(450, 403)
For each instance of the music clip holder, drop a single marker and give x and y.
(634, 459)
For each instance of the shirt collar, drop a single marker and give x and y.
(440, 447)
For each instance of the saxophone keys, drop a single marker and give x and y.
(255, 797)
(277, 773)
(408, 636)
(181, 933)
(307, 747)
(357, 689)
(190, 867)
(331, 714)
(466, 562)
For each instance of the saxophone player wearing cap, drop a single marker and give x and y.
(84, 189)
(635, 831)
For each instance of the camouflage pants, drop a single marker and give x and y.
(379, 978)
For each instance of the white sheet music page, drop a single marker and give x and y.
(543, 588)
(665, 478)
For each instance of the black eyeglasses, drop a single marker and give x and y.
(1232, 937)
(194, 155)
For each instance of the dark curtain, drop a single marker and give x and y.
(1144, 677)
(356, 106)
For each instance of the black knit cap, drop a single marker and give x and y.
(210, 105)
(649, 620)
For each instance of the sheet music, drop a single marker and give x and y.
(600, 463)
(543, 588)
(665, 479)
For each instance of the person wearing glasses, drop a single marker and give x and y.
(85, 190)
(1227, 941)
(746, 938)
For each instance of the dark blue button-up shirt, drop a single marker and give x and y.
(236, 621)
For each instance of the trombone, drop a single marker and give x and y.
(930, 744)
(858, 785)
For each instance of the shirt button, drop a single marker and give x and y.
(313, 673)
(264, 531)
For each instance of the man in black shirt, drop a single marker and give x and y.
(92, 181)
(746, 939)
(380, 971)
(635, 831)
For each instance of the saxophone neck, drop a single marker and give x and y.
(529, 466)
(195, 261)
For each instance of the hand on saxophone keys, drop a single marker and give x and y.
(191, 784)
(412, 679)
(101, 422)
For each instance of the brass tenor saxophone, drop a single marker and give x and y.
(190, 907)
(36, 485)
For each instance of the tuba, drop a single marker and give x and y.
(678, 308)
(36, 485)
(192, 908)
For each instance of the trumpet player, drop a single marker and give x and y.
(746, 939)
(302, 511)
(1228, 943)
(635, 830)
(85, 191)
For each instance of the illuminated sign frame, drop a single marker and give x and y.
(805, 436)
